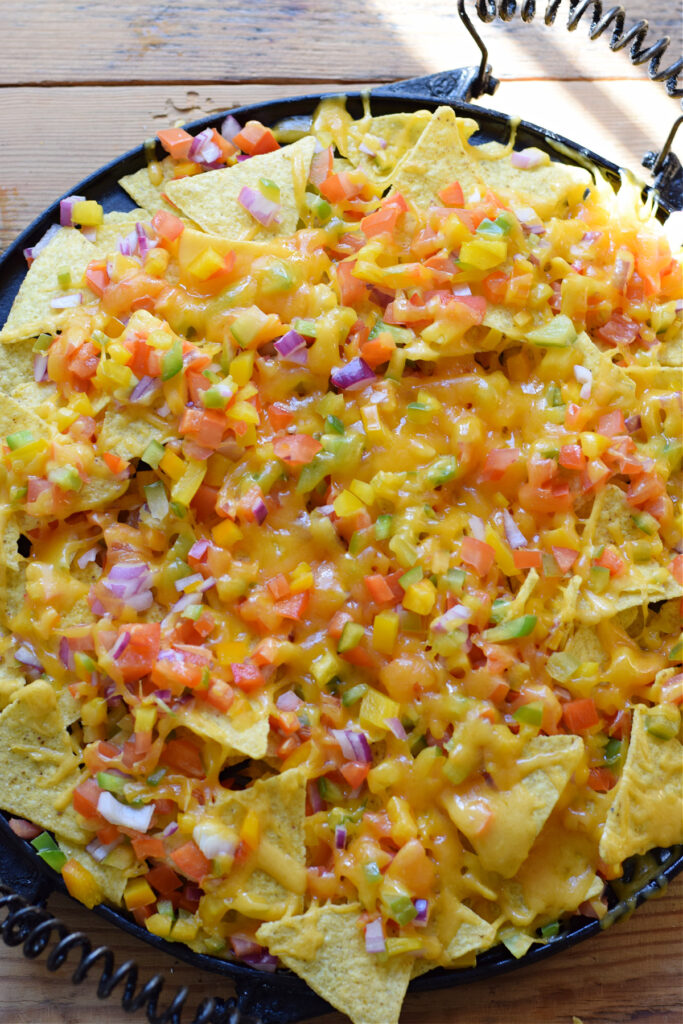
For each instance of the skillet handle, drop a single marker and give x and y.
(458, 86)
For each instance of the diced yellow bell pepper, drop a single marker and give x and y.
(206, 264)
(65, 417)
(363, 491)
(160, 925)
(156, 262)
(385, 632)
(119, 354)
(504, 558)
(483, 253)
(375, 708)
(184, 490)
(226, 534)
(231, 652)
(301, 578)
(243, 412)
(185, 929)
(403, 825)
(94, 712)
(372, 422)
(420, 597)
(81, 884)
(172, 465)
(145, 717)
(402, 945)
(87, 212)
(593, 445)
(242, 367)
(82, 405)
(139, 893)
(347, 504)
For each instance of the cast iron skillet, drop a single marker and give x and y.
(281, 997)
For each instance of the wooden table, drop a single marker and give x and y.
(80, 84)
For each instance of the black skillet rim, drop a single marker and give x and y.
(102, 185)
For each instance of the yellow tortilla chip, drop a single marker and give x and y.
(518, 813)
(326, 947)
(245, 734)
(110, 879)
(437, 160)
(272, 882)
(128, 432)
(460, 930)
(377, 144)
(548, 188)
(149, 196)
(671, 353)
(211, 199)
(39, 769)
(606, 376)
(647, 809)
(68, 249)
(517, 606)
(585, 646)
(110, 231)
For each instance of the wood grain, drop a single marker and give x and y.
(200, 41)
(73, 131)
(630, 974)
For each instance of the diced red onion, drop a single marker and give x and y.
(585, 378)
(90, 234)
(67, 301)
(455, 616)
(198, 550)
(241, 157)
(534, 229)
(340, 838)
(172, 827)
(513, 534)
(66, 208)
(186, 601)
(244, 945)
(633, 423)
(144, 388)
(353, 745)
(461, 289)
(213, 844)
(374, 937)
(532, 258)
(259, 510)
(203, 149)
(33, 251)
(288, 701)
(422, 907)
(262, 961)
(351, 375)
(477, 527)
(396, 727)
(25, 655)
(291, 346)
(99, 851)
(679, 306)
(526, 158)
(120, 645)
(65, 653)
(24, 829)
(40, 367)
(112, 810)
(314, 797)
(127, 245)
(144, 242)
(182, 584)
(88, 556)
(366, 149)
(230, 128)
(265, 211)
(128, 579)
(623, 268)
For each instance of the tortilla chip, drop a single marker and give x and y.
(246, 734)
(193, 242)
(388, 138)
(666, 378)
(548, 188)
(128, 432)
(520, 811)
(517, 606)
(647, 809)
(272, 883)
(325, 947)
(611, 379)
(39, 769)
(498, 318)
(671, 353)
(16, 366)
(67, 249)
(147, 195)
(585, 646)
(111, 880)
(211, 199)
(558, 875)
(460, 930)
(110, 231)
(437, 160)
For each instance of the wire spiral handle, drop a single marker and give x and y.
(614, 18)
(36, 928)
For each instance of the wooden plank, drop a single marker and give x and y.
(70, 132)
(231, 41)
(631, 972)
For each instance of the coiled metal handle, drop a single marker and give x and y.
(615, 17)
(36, 928)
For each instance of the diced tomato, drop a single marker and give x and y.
(183, 756)
(609, 559)
(576, 416)
(338, 188)
(175, 669)
(108, 833)
(653, 256)
(572, 457)
(96, 277)
(612, 424)
(84, 361)
(556, 497)
(163, 879)
(296, 449)
(176, 141)
(379, 350)
(206, 426)
(352, 289)
(601, 780)
(85, 798)
(167, 226)
(619, 330)
(378, 589)
(247, 676)
(294, 607)
(321, 166)
(114, 462)
(478, 554)
(525, 558)
(204, 502)
(565, 557)
(191, 862)
(466, 309)
(580, 715)
(646, 488)
(256, 139)
(220, 695)
(278, 586)
(676, 569)
(337, 623)
(279, 415)
(495, 286)
(383, 221)
(138, 657)
(452, 195)
(498, 461)
(147, 846)
(355, 773)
